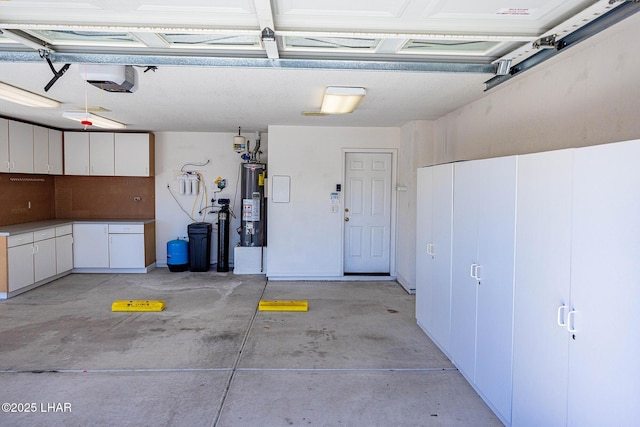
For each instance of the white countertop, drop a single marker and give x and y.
(28, 227)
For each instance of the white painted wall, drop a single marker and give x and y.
(587, 95)
(416, 149)
(304, 237)
(175, 149)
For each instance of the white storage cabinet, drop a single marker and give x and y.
(38, 257)
(47, 151)
(5, 165)
(576, 350)
(133, 154)
(20, 261)
(90, 245)
(44, 254)
(89, 153)
(542, 292)
(433, 252)
(482, 277)
(105, 247)
(126, 246)
(64, 248)
(20, 147)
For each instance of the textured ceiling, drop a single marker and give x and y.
(330, 43)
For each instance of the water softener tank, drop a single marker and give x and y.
(253, 227)
(178, 255)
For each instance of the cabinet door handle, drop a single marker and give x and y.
(471, 271)
(430, 247)
(35, 249)
(571, 321)
(561, 311)
(477, 275)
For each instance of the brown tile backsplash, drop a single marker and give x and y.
(26, 198)
(88, 197)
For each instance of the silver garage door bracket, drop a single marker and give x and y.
(550, 47)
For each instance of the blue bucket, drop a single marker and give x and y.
(178, 255)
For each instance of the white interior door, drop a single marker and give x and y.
(367, 239)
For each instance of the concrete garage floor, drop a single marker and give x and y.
(356, 358)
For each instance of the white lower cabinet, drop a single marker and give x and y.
(33, 258)
(100, 247)
(44, 259)
(126, 246)
(20, 264)
(64, 249)
(90, 246)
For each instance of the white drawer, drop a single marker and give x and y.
(126, 228)
(49, 233)
(64, 229)
(19, 239)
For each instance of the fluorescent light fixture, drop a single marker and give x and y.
(97, 121)
(341, 100)
(23, 97)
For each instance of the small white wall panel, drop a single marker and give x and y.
(280, 189)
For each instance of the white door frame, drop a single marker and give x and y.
(394, 203)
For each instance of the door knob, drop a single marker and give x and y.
(346, 209)
(347, 219)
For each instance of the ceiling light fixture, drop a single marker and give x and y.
(23, 97)
(89, 119)
(341, 100)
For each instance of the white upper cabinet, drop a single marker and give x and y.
(55, 152)
(4, 145)
(40, 150)
(76, 153)
(101, 155)
(26, 148)
(134, 154)
(20, 147)
(109, 154)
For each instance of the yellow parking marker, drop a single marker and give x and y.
(280, 305)
(137, 305)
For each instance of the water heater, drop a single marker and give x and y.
(253, 225)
